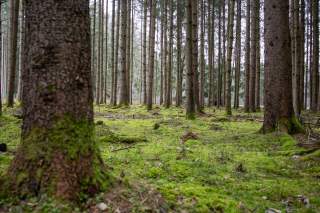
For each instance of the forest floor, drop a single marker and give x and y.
(215, 163)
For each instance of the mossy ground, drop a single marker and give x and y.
(229, 168)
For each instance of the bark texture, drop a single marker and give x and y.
(58, 155)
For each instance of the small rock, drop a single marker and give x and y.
(271, 210)
(265, 197)
(3, 147)
(102, 206)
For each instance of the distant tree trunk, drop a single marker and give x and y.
(98, 76)
(106, 77)
(224, 51)
(191, 6)
(211, 52)
(168, 95)
(93, 49)
(231, 4)
(279, 114)
(123, 55)
(59, 142)
(144, 49)
(253, 54)
(315, 56)
(202, 59)
(14, 14)
(302, 55)
(128, 50)
(102, 68)
(237, 56)
(179, 59)
(247, 60)
(165, 50)
(258, 63)
(113, 66)
(220, 73)
(152, 30)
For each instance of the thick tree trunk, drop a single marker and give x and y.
(0, 64)
(231, 4)
(279, 114)
(168, 95)
(247, 60)
(191, 6)
(123, 55)
(152, 30)
(237, 56)
(58, 155)
(13, 42)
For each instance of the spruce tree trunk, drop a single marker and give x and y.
(123, 55)
(237, 56)
(162, 52)
(279, 113)
(302, 56)
(13, 42)
(0, 63)
(258, 66)
(315, 57)
(231, 4)
(195, 54)
(93, 49)
(202, 59)
(179, 60)
(191, 5)
(58, 155)
(247, 60)
(168, 95)
(144, 49)
(219, 90)
(152, 30)
(128, 49)
(165, 58)
(210, 52)
(113, 67)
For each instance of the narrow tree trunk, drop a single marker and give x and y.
(237, 56)
(191, 6)
(144, 49)
(315, 56)
(14, 13)
(59, 142)
(258, 63)
(210, 52)
(152, 30)
(163, 54)
(279, 114)
(202, 59)
(168, 95)
(166, 53)
(179, 60)
(302, 55)
(106, 77)
(220, 73)
(196, 55)
(247, 60)
(113, 67)
(128, 49)
(231, 4)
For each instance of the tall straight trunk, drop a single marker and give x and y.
(224, 52)
(302, 56)
(179, 60)
(93, 48)
(307, 61)
(59, 142)
(117, 55)
(168, 94)
(162, 51)
(196, 55)
(220, 71)
(166, 52)
(144, 49)
(297, 58)
(237, 57)
(131, 74)
(13, 14)
(152, 30)
(279, 113)
(210, 36)
(102, 68)
(253, 54)
(98, 76)
(191, 7)
(128, 49)
(231, 4)
(202, 59)
(123, 55)
(21, 56)
(258, 63)
(315, 56)
(106, 77)
(247, 60)
(113, 67)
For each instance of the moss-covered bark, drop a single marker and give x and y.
(62, 162)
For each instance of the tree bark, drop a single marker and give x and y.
(168, 95)
(13, 42)
(152, 30)
(247, 60)
(237, 56)
(58, 155)
(202, 59)
(231, 4)
(113, 66)
(179, 59)
(279, 113)
(315, 57)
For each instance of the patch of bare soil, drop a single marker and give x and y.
(135, 198)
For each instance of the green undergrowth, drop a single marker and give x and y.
(230, 167)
